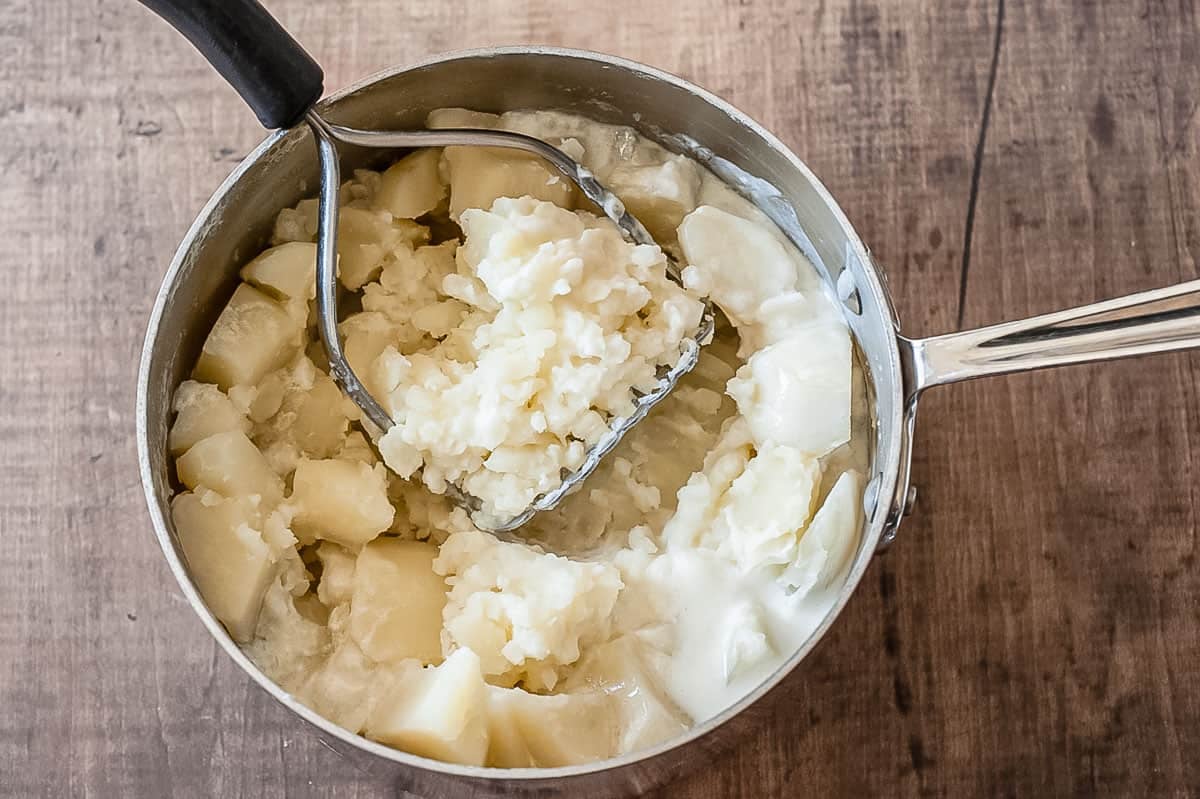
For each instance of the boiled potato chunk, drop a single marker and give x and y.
(545, 731)
(830, 538)
(481, 175)
(366, 238)
(645, 716)
(396, 611)
(312, 420)
(660, 196)
(736, 262)
(228, 559)
(202, 410)
(254, 335)
(438, 712)
(341, 501)
(366, 335)
(230, 464)
(288, 271)
(337, 574)
(412, 187)
(796, 392)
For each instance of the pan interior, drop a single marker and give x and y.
(237, 222)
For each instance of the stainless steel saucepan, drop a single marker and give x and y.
(237, 222)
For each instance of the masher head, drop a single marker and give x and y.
(327, 136)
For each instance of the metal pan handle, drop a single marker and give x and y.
(1162, 320)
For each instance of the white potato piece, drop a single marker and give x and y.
(254, 335)
(767, 506)
(747, 642)
(526, 613)
(336, 586)
(412, 186)
(365, 336)
(288, 271)
(438, 712)
(546, 731)
(797, 391)
(312, 418)
(202, 410)
(481, 175)
(830, 538)
(228, 559)
(396, 610)
(229, 464)
(735, 262)
(341, 501)
(659, 195)
(344, 688)
(366, 239)
(645, 716)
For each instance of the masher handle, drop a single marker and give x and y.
(269, 69)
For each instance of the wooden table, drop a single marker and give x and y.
(1036, 629)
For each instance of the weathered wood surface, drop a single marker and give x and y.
(1036, 630)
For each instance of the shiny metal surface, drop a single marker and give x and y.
(237, 222)
(610, 205)
(1162, 320)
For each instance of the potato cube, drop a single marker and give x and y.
(527, 729)
(288, 271)
(252, 336)
(314, 420)
(366, 238)
(736, 262)
(396, 611)
(481, 175)
(830, 539)
(659, 196)
(438, 712)
(796, 392)
(365, 336)
(645, 716)
(231, 465)
(341, 501)
(227, 557)
(337, 574)
(411, 186)
(202, 410)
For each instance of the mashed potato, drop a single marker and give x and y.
(503, 325)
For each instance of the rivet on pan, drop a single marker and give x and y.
(848, 292)
(910, 500)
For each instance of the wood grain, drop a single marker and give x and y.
(1036, 629)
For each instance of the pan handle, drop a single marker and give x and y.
(1162, 320)
(269, 69)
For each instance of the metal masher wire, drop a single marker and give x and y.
(327, 135)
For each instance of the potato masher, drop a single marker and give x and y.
(281, 83)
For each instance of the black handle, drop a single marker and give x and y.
(269, 69)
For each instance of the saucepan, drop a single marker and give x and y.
(237, 221)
